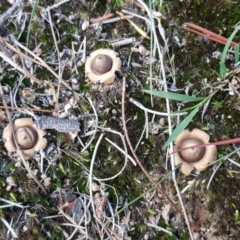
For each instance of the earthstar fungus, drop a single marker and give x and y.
(28, 137)
(101, 66)
(193, 158)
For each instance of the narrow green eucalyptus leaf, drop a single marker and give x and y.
(31, 20)
(172, 58)
(236, 53)
(174, 96)
(223, 69)
(181, 127)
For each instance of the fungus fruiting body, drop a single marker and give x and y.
(27, 136)
(197, 157)
(101, 66)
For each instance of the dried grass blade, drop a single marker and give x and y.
(134, 25)
(21, 70)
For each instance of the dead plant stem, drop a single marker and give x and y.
(100, 19)
(136, 157)
(21, 70)
(14, 41)
(29, 109)
(5, 16)
(223, 142)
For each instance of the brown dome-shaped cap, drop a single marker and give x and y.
(191, 154)
(28, 137)
(191, 158)
(101, 66)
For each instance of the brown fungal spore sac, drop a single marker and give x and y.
(26, 137)
(194, 157)
(101, 64)
(192, 154)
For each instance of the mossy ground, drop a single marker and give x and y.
(216, 208)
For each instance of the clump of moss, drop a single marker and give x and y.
(224, 202)
(193, 59)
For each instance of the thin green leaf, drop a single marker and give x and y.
(62, 168)
(236, 53)
(181, 127)
(236, 215)
(223, 69)
(30, 21)
(13, 197)
(225, 50)
(172, 58)
(174, 96)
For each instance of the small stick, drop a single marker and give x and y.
(5, 16)
(21, 70)
(19, 52)
(140, 6)
(58, 4)
(224, 142)
(31, 109)
(191, 27)
(100, 19)
(41, 61)
(134, 154)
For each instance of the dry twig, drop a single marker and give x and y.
(140, 164)
(100, 19)
(134, 154)
(27, 109)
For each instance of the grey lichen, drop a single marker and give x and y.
(59, 124)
